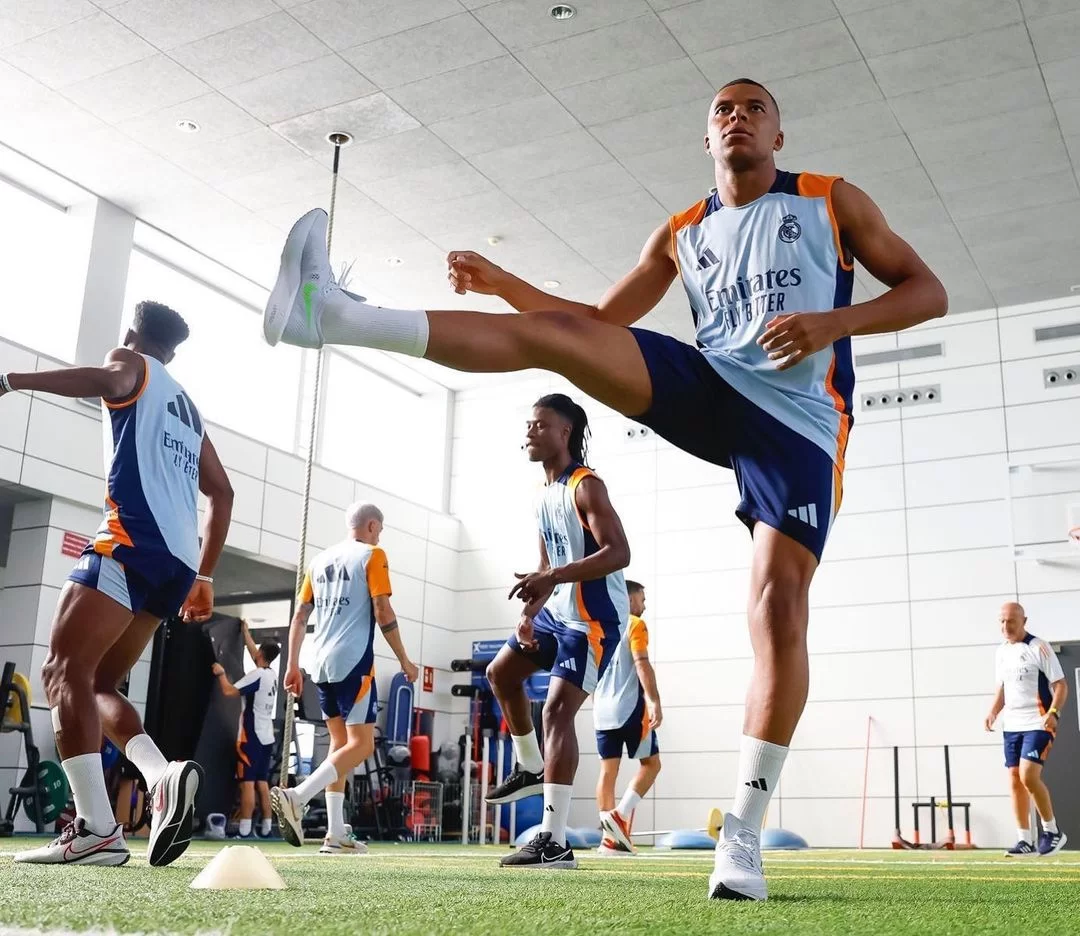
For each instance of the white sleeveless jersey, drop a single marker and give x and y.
(152, 445)
(620, 691)
(741, 268)
(342, 582)
(1026, 669)
(568, 538)
(259, 691)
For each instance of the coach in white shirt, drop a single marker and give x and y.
(1031, 692)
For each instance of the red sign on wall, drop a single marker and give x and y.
(73, 544)
(429, 679)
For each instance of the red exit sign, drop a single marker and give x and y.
(429, 679)
(73, 544)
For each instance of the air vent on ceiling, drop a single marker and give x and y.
(1053, 332)
(870, 358)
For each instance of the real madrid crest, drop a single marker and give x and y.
(790, 229)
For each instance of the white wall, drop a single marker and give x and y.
(53, 446)
(903, 622)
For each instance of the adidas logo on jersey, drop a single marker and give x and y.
(184, 410)
(807, 514)
(707, 259)
(570, 665)
(329, 574)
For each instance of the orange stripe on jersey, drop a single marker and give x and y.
(307, 593)
(596, 638)
(579, 475)
(378, 574)
(138, 393)
(105, 543)
(820, 186)
(676, 223)
(845, 422)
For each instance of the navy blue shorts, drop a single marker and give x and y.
(569, 654)
(355, 698)
(785, 480)
(158, 585)
(252, 756)
(1027, 745)
(635, 736)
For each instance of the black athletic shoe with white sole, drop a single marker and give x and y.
(541, 852)
(172, 810)
(518, 785)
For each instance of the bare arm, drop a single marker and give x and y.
(249, 642)
(387, 621)
(294, 679)
(623, 304)
(117, 379)
(227, 688)
(995, 708)
(1060, 688)
(214, 483)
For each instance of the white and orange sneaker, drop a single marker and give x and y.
(618, 829)
(79, 844)
(609, 848)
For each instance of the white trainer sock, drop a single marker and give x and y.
(321, 777)
(347, 321)
(266, 826)
(335, 814)
(87, 780)
(760, 763)
(147, 758)
(628, 803)
(1024, 835)
(556, 810)
(527, 752)
(1050, 825)
(245, 828)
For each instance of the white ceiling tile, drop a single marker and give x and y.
(438, 183)
(522, 24)
(1035, 8)
(169, 23)
(353, 210)
(679, 194)
(858, 6)
(981, 97)
(77, 51)
(366, 118)
(913, 23)
(424, 51)
(1027, 192)
(1056, 37)
(1000, 167)
(485, 215)
(217, 118)
(988, 53)
(309, 86)
(249, 51)
(711, 24)
(861, 123)
(1031, 225)
(240, 155)
(522, 121)
(287, 183)
(575, 186)
(890, 187)
(685, 162)
(659, 5)
(908, 214)
(645, 89)
(410, 151)
(815, 92)
(610, 50)
(1063, 77)
(630, 137)
(22, 21)
(467, 90)
(1072, 144)
(344, 23)
(782, 54)
(1037, 123)
(634, 207)
(521, 236)
(524, 162)
(136, 89)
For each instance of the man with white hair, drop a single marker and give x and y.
(346, 591)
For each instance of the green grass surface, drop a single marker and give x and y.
(406, 890)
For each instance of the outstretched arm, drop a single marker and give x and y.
(623, 304)
(214, 483)
(117, 379)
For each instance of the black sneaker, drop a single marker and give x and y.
(541, 852)
(1050, 843)
(518, 785)
(1020, 849)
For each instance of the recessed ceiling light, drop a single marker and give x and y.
(552, 284)
(187, 126)
(561, 11)
(339, 137)
(394, 261)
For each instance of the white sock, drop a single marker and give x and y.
(527, 752)
(1023, 835)
(556, 810)
(321, 777)
(266, 826)
(245, 828)
(147, 758)
(628, 803)
(87, 780)
(347, 321)
(335, 814)
(760, 763)
(1050, 825)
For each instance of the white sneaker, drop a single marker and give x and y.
(290, 814)
(342, 845)
(737, 872)
(172, 811)
(618, 829)
(294, 308)
(78, 844)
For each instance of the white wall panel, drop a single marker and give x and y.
(958, 720)
(710, 636)
(949, 671)
(285, 471)
(729, 547)
(440, 606)
(1061, 575)
(873, 489)
(1044, 518)
(700, 728)
(64, 438)
(677, 469)
(963, 390)
(884, 674)
(332, 488)
(404, 552)
(843, 724)
(703, 682)
(408, 599)
(957, 622)
(859, 627)
(966, 343)
(971, 573)
(1018, 334)
(929, 438)
(281, 511)
(873, 444)
(14, 416)
(859, 581)
(697, 775)
(279, 548)
(1037, 425)
(1054, 616)
(51, 478)
(692, 594)
(11, 464)
(958, 526)
(866, 535)
(955, 480)
(442, 565)
(238, 453)
(696, 508)
(1025, 381)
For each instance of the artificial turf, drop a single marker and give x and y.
(413, 889)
